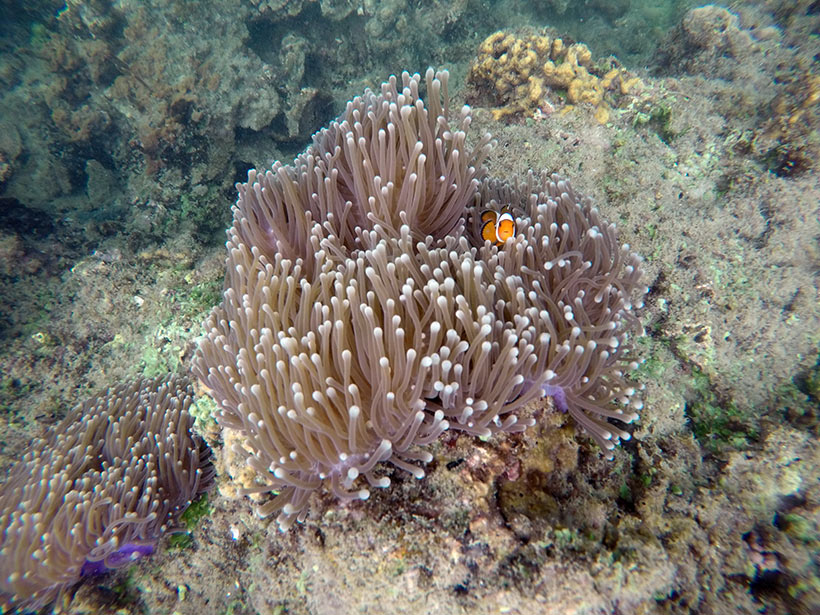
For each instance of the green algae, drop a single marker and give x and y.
(191, 518)
(717, 422)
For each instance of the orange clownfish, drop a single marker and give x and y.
(496, 226)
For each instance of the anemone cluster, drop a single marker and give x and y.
(363, 315)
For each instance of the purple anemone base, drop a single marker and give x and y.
(125, 554)
(559, 398)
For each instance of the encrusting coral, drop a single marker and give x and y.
(99, 489)
(363, 315)
(514, 74)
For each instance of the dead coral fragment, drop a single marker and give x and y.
(363, 315)
(99, 489)
(515, 74)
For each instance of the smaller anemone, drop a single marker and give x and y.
(98, 490)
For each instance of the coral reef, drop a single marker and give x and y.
(714, 41)
(360, 320)
(335, 10)
(159, 111)
(99, 489)
(518, 73)
(137, 87)
(711, 507)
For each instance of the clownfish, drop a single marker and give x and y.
(496, 226)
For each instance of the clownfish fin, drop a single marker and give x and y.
(488, 214)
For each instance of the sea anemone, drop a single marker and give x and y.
(99, 489)
(363, 315)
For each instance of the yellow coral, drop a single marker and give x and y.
(585, 91)
(583, 54)
(609, 78)
(515, 48)
(542, 44)
(578, 55)
(489, 43)
(628, 85)
(536, 91)
(500, 113)
(601, 114)
(520, 71)
(559, 76)
(529, 59)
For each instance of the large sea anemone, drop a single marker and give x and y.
(363, 315)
